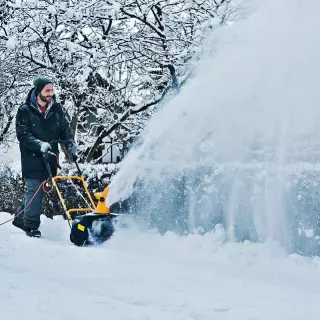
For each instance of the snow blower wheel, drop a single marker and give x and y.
(92, 228)
(79, 234)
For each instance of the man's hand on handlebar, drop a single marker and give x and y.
(70, 145)
(45, 147)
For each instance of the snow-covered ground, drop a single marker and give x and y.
(142, 275)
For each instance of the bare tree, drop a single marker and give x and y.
(112, 62)
(162, 41)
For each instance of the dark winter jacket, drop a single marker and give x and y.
(33, 127)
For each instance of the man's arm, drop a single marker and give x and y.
(65, 132)
(24, 133)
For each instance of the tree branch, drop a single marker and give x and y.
(124, 116)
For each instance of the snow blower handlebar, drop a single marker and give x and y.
(45, 156)
(54, 179)
(74, 157)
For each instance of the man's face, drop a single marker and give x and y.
(47, 93)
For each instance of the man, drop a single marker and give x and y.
(39, 120)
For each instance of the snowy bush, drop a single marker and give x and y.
(11, 189)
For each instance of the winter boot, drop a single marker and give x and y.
(33, 233)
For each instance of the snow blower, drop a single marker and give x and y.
(96, 224)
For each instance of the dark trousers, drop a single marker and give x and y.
(31, 216)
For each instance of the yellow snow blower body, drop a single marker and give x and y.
(101, 197)
(83, 226)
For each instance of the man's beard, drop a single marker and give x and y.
(44, 99)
